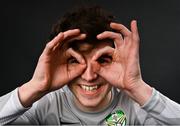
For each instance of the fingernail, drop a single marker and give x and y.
(84, 35)
(78, 29)
(60, 33)
(112, 23)
(98, 36)
(135, 21)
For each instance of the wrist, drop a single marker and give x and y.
(28, 94)
(140, 93)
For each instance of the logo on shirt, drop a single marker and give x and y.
(117, 118)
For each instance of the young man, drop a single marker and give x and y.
(89, 74)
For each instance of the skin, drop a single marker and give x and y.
(97, 99)
(52, 71)
(125, 66)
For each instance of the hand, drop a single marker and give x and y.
(52, 70)
(124, 71)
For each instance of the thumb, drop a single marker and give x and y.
(103, 72)
(109, 75)
(100, 70)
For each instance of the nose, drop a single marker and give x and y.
(90, 72)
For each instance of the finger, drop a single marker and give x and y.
(79, 37)
(104, 51)
(96, 66)
(69, 34)
(121, 28)
(72, 32)
(134, 30)
(103, 72)
(49, 46)
(111, 35)
(71, 52)
(135, 38)
(76, 71)
(56, 46)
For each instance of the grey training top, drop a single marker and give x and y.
(58, 108)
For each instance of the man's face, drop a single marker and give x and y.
(91, 91)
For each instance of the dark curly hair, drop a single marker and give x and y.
(91, 20)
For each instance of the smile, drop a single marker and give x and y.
(89, 88)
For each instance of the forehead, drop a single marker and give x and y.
(84, 46)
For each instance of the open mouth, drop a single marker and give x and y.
(89, 87)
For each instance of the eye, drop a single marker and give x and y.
(104, 59)
(72, 60)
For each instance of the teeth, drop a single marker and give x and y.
(89, 88)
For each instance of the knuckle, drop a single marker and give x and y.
(48, 45)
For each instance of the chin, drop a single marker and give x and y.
(89, 103)
(92, 103)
